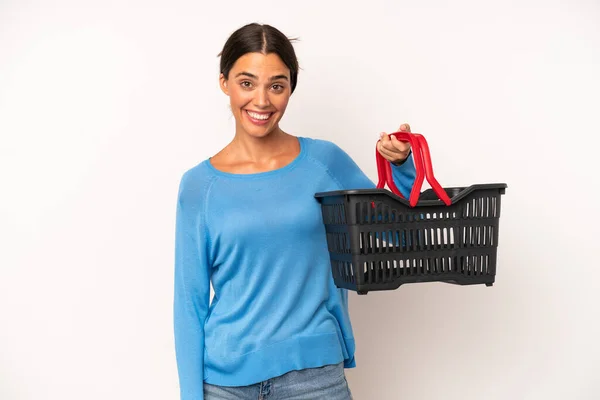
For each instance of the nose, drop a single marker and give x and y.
(261, 99)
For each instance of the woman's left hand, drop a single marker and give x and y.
(392, 149)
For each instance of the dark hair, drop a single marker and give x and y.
(259, 38)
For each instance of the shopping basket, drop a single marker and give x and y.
(378, 240)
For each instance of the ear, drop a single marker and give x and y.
(223, 83)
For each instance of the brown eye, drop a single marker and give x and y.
(246, 84)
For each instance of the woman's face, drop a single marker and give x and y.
(259, 89)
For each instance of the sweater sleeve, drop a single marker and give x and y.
(192, 290)
(350, 176)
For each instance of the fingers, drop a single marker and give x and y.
(386, 142)
(385, 145)
(399, 145)
(393, 150)
(390, 155)
(393, 157)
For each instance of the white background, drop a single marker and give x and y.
(104, 104)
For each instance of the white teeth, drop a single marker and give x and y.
(259, 116)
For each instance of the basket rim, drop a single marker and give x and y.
(463, 192)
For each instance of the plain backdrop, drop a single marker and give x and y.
(104, 105)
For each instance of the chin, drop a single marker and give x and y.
(259, 133)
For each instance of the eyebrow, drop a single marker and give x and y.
(273, 78)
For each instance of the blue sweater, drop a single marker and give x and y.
(259, 238)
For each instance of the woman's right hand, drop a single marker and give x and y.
(392, 149)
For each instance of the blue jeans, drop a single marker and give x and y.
(327, 383)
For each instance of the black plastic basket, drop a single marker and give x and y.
(378, 240)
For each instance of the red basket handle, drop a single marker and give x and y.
(437, 188)
(384, 169)
(423, 166)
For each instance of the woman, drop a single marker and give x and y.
(247, 221)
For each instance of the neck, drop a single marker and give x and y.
(259, 149)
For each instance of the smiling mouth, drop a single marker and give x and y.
(260, 117)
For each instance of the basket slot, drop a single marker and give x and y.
(392, 270)
(381, 241)
(411, 267)
(361, 242)
(478, 236)
(386, 271)
(343, 242)
(434, 265)
(475, 265)
(376, 213)
(420, 239)
(334, 214)
(382, 271)
(366, 274)
(412, 243)
(349, 272)
(340, 214)
(338, 242)
(361, 213)
(417, 266)
(483, 207)
(344, 271)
